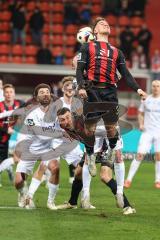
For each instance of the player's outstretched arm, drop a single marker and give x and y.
(131, 82)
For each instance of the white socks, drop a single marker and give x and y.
(157, 171)
(34, 185)
(52, 191)
(6, 164)
(133, 169)
(119, 169)
(86, 178)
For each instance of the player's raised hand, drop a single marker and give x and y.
(82, 93)
(142, 94)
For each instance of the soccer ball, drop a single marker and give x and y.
(85, 35)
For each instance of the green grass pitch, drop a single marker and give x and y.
(106, 222)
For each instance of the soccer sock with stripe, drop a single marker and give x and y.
(75, 191)
(113, 186)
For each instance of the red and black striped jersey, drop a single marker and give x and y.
(4, 123)
(101, 61)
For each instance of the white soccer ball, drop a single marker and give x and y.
(85, 35)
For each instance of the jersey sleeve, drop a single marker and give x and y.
(81, 65)
(122, 68)
(141, 107)
(82, 55)
(121, 58)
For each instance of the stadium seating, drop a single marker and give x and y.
(5, 37)
(4, 59)
(17, 59)
(4, 49)
(30, 50)
(57, 8)
(17, 50)
(55, 34)
(30, 60)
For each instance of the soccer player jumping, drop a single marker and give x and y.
(101, 60)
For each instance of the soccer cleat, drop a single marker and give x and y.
(129, 210)
(51, 206)
(29, 203)
(85, 204)
(120, 200)
(157, 185)
(92, 165)
(21, 200)
(67, 205)
(127, 184)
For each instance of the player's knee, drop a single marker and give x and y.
(54, 167)
(140, 156)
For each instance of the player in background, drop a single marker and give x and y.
(6, 128)
(149, 124)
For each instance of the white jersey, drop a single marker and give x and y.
(40, 131)
(64, 104)
(151, 109)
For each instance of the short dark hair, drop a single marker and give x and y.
(39, 86)
(97, 20)
(62, 111)
(8, 86)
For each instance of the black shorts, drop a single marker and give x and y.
(3, 152)
(102, 103)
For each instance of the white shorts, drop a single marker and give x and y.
(146, 141)
(25, 167)
(72, 157)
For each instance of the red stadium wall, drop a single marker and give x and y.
(152, 19)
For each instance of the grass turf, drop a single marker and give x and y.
(106, 222)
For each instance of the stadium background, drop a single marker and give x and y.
(18, 66)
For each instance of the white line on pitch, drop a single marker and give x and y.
(7, 207)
